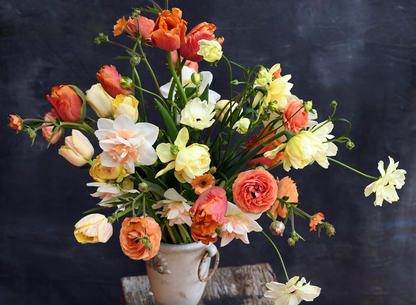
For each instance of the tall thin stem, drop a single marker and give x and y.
(278, 253)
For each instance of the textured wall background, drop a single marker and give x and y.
(360, 53)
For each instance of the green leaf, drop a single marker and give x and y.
(240, 65)
(84, 102)
(170, 125)
(205, 95)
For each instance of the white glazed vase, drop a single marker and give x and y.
(173, 273)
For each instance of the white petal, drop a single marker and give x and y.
(149, 131)
(147, 154)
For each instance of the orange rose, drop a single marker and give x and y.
(286, 188)
(66, 103)
(189, 50)
(134, 228)
(15, 122)
(130, 27)
(255, 191)
(109, 79)
(169, 31)
(295, 122)
(47, 131)
(257, 140)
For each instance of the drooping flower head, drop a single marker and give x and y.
(132, 233)
(126, 143)
(109, 78)
(385, 186)
(66, 103)
(254, 191)
(169, 31)
(15, 122)
(198, 114)
(93, 228)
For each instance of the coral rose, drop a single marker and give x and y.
(295, 122)
(191, 47)
(48, 131)
(169, 31)
(66, 103)
(254, 191)
(134, 231)
(109, 78)
(286, 188)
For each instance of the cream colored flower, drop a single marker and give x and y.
(223, 109)
(188, 162)
(291, 293)
(279, 90)
(265, 76)
(99, 100)
(385, 187)
(242, 125)
(78, 150)
(302, 149)
(107, 191)
(126, 104)
(126, 143)
(198, 114)
(186, 74)
(93, 228)
(175, 208)
(323, 130)
(238, 224)
(211, 50)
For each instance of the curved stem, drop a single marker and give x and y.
(141, 94)
(278, 253)
(353, 169)
(176, 79)
(231, 77)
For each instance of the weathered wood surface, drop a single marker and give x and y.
(243, 285)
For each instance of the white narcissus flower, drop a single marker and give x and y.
(93, 228)
(126, 143)
(385, 186)
(323, 130)
(175, 207)
(198, 114)
(291, 293)
(107, 191)
(211, 50)
(238, 224)
(188, 162)
(187, 72)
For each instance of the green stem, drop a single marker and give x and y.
(231, 77)
(278, 253)
(176, 79)
(171, 234)
(141, 94)
(83, 126)
(150, 70)
(353, 169)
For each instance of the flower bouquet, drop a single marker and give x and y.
(207, 172)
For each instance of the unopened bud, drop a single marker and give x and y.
(212, 170)
(143, 187)
(330, 230)
(274, 106)
(290, 241)
(308, 106)
(126, 82)
(135, 60)
(277, 228)
(135, 13)
(218, 230)
(101, 38)
(234, 82)
(197, 78)
(174, 149)
(334, 104)
(350, 145)
(260, 167)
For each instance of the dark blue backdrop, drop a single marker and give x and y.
(360, 53)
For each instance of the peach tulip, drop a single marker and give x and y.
(77, 149)
(93, 228)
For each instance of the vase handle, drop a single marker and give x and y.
(217, 261)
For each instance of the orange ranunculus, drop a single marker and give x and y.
(47, 131)
(109, 79)
(255, 191)
(130, 27)
(201, 183)
(134, 228)
(286, 188)
(188, 63)
(169, 31)
(15, 122)
(66, 103)
(209, 209)
(295, 122)
(190, 48)
(316, 219)
(264, 135)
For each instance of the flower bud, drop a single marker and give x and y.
(212, 170)
(308, 106)
(143, 187)
(330, 230)
(101, 38)
(274, 106)
(350, 145)
(197, 78)
(174, 149)
(135, 60)
(222, 109)
(126, 82)
(242, 125)
(218, 230)
(77, 149)
(291, 241)
(334, 104)
(277, 228)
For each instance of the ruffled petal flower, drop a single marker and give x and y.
(198, 114)
(175, 207)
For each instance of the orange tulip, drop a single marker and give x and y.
(189, 50)
(66, 103)
(169, 30)
(109, 78)
(130, 27)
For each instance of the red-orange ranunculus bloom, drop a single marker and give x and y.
(209, 211)
(316, 219)
(130, 27)
(190, 48)
(109, 79)
(286, 188)
(201, 183)
(264, 135)
(169, 31)
(47, 131)
(136, 228)
(66, 103)
(295, 122)
(15, 122)
(255, 191)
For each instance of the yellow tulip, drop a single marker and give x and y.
(126, 104)
(93, 228)
(77, 149)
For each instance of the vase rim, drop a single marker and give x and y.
(183, 247)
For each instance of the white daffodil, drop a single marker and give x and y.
(198, 114)
(187, 72)
(126, 143)
(323, 130)
(175, 207)
(291, 293)
(107, 191)
(188, 162)
(385, 187)
(238, 224)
